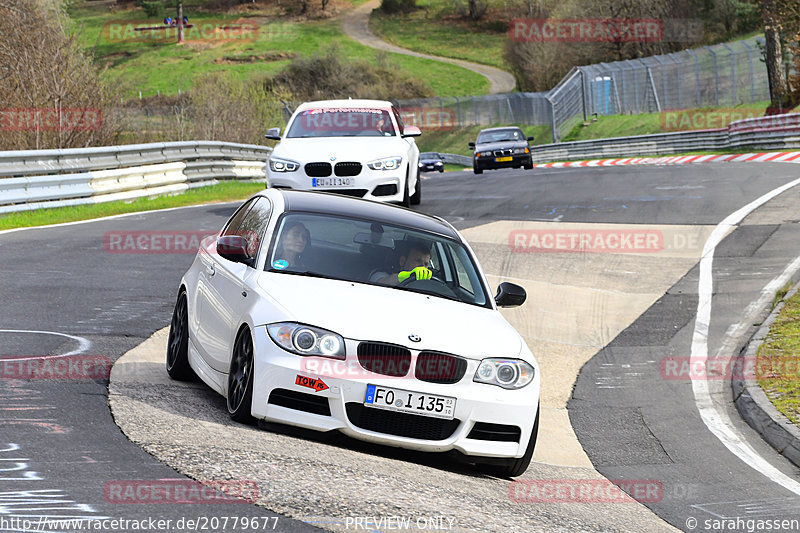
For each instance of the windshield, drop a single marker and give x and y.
(429, 155)
(367, 252)
(500, 136)
(342, 122)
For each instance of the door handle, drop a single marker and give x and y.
(210, 270)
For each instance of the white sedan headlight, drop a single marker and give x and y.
(387, 163)
(506, 373)
(301, 339)
(282, 165)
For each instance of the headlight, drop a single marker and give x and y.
(485, 154)
(282, 165)
(506, 373)
(521, 150)
(388, 163)
(307, 340)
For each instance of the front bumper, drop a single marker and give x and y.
(380, 185)
(488, 163)
(277, 370)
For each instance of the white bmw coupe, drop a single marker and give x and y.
(334, 313)
(354, 147)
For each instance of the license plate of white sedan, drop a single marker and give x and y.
(404, 401)
(333, 182)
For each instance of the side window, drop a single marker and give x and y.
(399, 120)
(254, 225)
(236, 219)
(250, 221)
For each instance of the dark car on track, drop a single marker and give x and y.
(431, 161)
(501, 148)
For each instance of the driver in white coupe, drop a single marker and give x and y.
(413, 256)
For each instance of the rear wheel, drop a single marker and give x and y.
(416, 198)
(516, 466)
(178, 342)
(240, 379)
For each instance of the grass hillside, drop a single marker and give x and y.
(136, 61)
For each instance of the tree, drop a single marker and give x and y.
(778, 90)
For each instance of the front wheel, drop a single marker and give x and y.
(240, 379)
(406, 199)
(416, 198)
(477, 170)
(517, 466)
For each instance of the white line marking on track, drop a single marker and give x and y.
(83, 344)
(716, 420)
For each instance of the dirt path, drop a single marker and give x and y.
(355, 24)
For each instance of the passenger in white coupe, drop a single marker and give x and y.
(293, 242)
(413, 256)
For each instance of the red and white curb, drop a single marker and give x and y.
(775, 157)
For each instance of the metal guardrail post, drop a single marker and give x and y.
(664, 90)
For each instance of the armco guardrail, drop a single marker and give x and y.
(763, 133)
(55, 178)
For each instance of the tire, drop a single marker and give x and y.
(406, 200)
(516, 466)
(178, 342)
(240, 379)
(528, 166)
(477, 170)
(416, 198)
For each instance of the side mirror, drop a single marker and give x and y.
(472, 145)
(234, 248)
(530, 139)
(412, 131)
(509, 295)
(274, 134)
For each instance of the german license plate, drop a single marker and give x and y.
(503, 159)
(404, 401)
(332, 182)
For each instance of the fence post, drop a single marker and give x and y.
(664, 91)
(716, 75)
(583, 92)
(696, 76)
(733, 73)
(553, 119)
(752, 77)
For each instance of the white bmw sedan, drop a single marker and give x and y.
(334, 313)
(354, 147)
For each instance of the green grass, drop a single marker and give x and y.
(439, 30)
(164, 67)
(223, 192)
(778, 361)
(624, 125)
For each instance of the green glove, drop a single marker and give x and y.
(419, 272)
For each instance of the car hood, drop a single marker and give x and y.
(430, 161)
(501, 145)
(368, 312)
(362, 149)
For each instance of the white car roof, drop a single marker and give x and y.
(381, 104)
